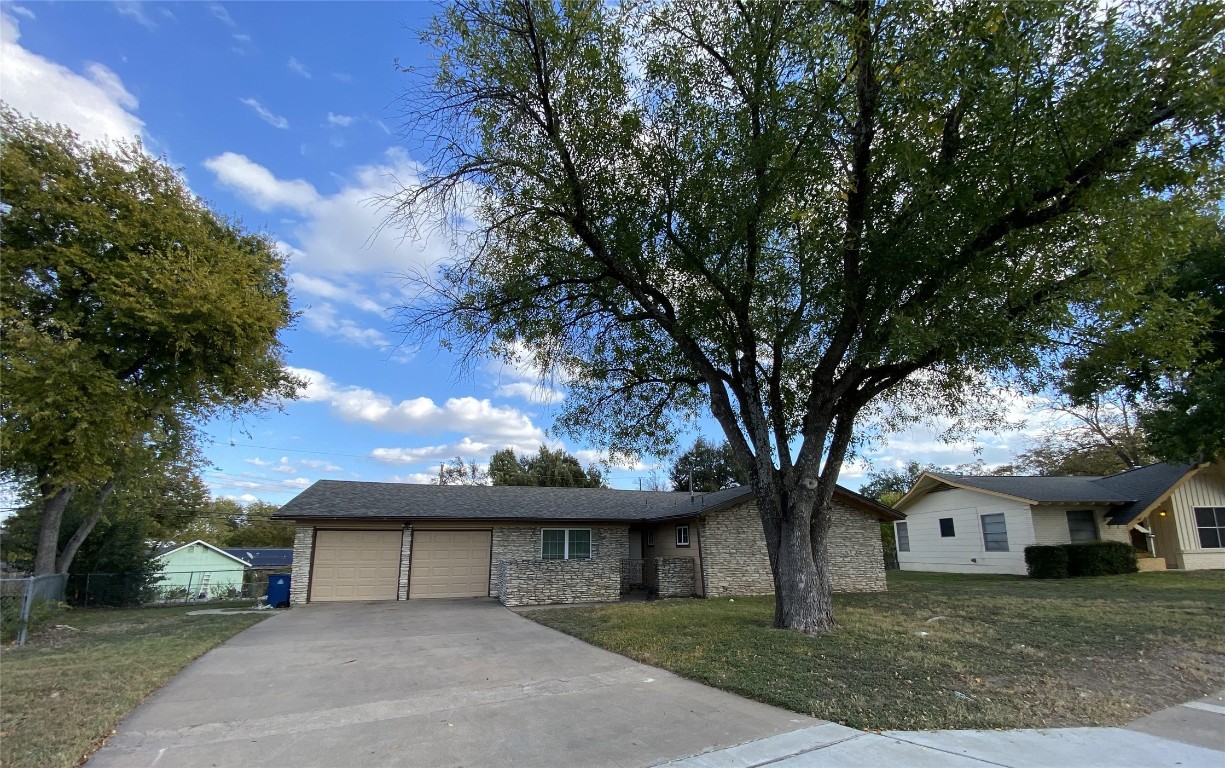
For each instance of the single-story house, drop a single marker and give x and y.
(271, 559)
(1174, 514)
(199, 570)
(529, 546)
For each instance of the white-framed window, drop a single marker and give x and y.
(682, 535)
(565, 544)
(1210, 521)
(650, 537)
(995, 533)
(1082, 525)
(902, 534)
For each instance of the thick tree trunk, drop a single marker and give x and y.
(87, 526)
(802, 599)
(54, 505)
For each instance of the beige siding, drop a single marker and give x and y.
(964, 552)
(1205, 489)
(1051, 525)
(665, 545)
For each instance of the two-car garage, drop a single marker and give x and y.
(365, 564)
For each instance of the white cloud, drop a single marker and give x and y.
(267, 115)
(480, 420)
(285, 469)
(340, 232)
(258, 186)
(96, 105)
(257, 461)
(534, 393)
(416, 478)
(218, 10)
(638, 464)
(467, 448)
(321, 465)
(342, 77)
(22, 11)
(323, 318)
(242, 37)
(335, 290)
(136, 12)
(340, 121)
(298, 68)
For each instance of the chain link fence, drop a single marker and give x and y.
(27, 601)
(96, 589)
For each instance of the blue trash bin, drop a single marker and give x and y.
(278, 590)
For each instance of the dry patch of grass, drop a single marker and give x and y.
(62, 693)
(945, 650)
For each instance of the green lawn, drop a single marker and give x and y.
(62, 693)
(999, 651)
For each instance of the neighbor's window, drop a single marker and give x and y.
(565, 544)
(1082, 525)
(682, 535)
(903, 537)
(946, 527)
(1211, 524)
(651, 537)
(995, 533)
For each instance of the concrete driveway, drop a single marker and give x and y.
(427, 683)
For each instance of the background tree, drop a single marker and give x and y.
(129, 312)
(552, 469)
(1182, 417)
(162, 493)
(792, 213)
(713, 468)
(460, 472)
(1100, 437)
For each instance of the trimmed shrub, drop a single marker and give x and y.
(1100, 558)
(1046, 562)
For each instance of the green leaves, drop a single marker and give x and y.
(129, 309)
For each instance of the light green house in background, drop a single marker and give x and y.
(199, 570)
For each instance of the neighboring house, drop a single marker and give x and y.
(270, 559)
(199, 570)
(527, 545)
(982, 524)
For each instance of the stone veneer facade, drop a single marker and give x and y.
(522, 543)
(542, 582)
(674, 576)
(299, 581)
(735, 562)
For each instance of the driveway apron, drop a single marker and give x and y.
(427, 683)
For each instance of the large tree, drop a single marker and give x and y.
(547, 468)
(130, 312)
(707, 467)
(789, 213)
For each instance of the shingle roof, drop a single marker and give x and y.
(263, 557)
(1044, 490)
(1130, 492)
(353, 499)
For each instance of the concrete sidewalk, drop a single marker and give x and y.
(1188, 736)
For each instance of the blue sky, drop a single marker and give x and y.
(286, 115)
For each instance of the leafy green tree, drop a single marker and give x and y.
(797, 214)
(159, 494)
(553, 469)
(129, 312)
(712, 468)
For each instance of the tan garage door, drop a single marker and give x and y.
(356, 565)
(449, 564)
